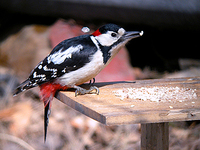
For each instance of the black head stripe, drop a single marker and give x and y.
(109, 27)
(106, 52)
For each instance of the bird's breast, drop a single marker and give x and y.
(85, 73)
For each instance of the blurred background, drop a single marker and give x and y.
(30, 29)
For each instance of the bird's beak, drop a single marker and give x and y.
(132, 34)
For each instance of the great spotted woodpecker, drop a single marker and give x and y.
(75, 61)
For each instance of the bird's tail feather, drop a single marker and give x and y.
(47, 112)
(22, 87)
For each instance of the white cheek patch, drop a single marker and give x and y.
(105, 39)
(121, 31)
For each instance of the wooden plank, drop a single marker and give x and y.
(155, 136)
(110, 110)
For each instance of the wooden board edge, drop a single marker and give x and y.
(81, 108)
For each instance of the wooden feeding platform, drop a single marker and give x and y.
(153, 103)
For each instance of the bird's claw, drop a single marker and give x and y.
(94, 88)
(82, 91)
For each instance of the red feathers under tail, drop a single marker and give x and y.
(47, 92)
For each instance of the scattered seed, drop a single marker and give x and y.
(157, 94)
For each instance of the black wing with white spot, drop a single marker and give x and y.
(67, 56)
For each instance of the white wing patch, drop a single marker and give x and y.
(47, 69)
(54, 70)
(60, 56)
(38, 76)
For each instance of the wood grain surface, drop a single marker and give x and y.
(111, 110)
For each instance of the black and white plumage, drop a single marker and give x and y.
(66, 57)
(75, 61)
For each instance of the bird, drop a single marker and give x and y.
(75, 61)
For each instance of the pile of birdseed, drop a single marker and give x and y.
(156, 94)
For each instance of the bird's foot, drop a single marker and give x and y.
(82, 91)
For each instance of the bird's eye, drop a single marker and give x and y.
(113, 34)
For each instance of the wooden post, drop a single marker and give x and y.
(155, 136)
